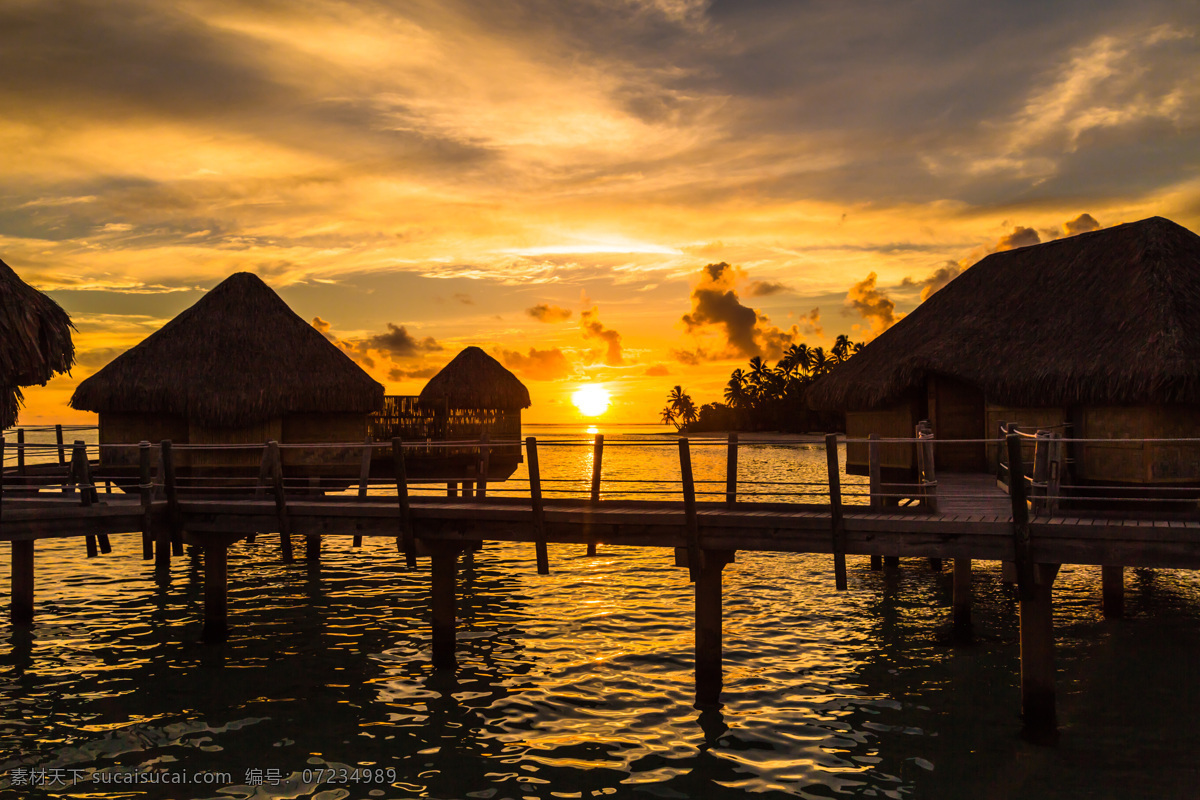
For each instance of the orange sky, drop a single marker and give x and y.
(549, 180)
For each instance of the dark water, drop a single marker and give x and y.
(579, 684)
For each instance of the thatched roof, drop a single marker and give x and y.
(476, 380)
(237, 357)
(1110, 317)
(35, 341)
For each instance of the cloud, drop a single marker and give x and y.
(936, 279)
(609, 352)
(1084, 223)
(548, 313)
(399, 343)
(538, 365)
(657, 371)
(464, 298)
(765, 288)
(811, 324)
(689, 357)
(741, 331)
(400, 373)
(873, 305)
(324, 328)
(1020, 237)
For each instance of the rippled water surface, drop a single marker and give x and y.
(579, 684)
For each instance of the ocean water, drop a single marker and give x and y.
(579, 684)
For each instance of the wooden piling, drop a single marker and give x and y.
(539, 513)
(216, 592)
(835, 512)
(876, 487)
(1112, 583)
(444, 569)
(145, 490)
(452, 489)
(285, 525)
(162, 534)
(692, 522)
(597, 462)
(364, 478)
(709, 669)
(962, 599)
(935, 564)
(172, 492)
(731, 471)
(62, 448)
(1038, 711)
(21, 451)
(406, 541)
(87, 492)
(21, 609)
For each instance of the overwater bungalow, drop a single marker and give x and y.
(238, 367)
(1097, 335)
(471, 396)
(35, 341)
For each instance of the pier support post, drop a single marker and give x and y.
(1038, 711)
(891, 564)
(216, 592)
(444, 558)
(962, 599)
(597, 463)
(312, 548)
(1112, 587)
(709, 670)
(21, 610)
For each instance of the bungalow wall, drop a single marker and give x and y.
(898, 462)
(125, 428)
(1139, 462)
(1027, 419)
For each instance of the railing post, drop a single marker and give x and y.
(835, 512)
(145, 490)
(539, 513)
(20, 451)
(1020, 514)
(1054, 479)
(695, 554)
(406, 540)
(485, 451)
(1041, 472)
(62, 449)
(731, 471)
(597, 466)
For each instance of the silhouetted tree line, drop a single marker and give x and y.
(763, 398)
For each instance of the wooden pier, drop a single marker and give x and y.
(971, 522)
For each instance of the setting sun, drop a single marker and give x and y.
(591, 400)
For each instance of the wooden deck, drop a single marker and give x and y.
(972, 493)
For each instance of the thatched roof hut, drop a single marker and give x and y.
(1110, 317)
(35, 341)
(1096, 335)
(475, 380)
(238, 356)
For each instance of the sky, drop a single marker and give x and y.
(633, 193)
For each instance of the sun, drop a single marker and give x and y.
(591, 400)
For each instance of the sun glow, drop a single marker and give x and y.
(591, 400)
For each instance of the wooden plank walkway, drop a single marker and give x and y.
(972, 493)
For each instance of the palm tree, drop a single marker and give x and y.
(821, 363)
(735, 390)
(797, 356)
(758, 368)
(668, 416)
(841, 348)
(687, 413)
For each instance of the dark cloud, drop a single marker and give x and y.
(657, 371)
(765, 288)
(873, 305)
(538, 365)
(1020, 237)
(745, 332)
(689, 357)
(324, 327)
(547, 313)
(464, 298)
(609, 352)
(399, 343)
(936, 279)
(399, 373)
(1084, 223)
